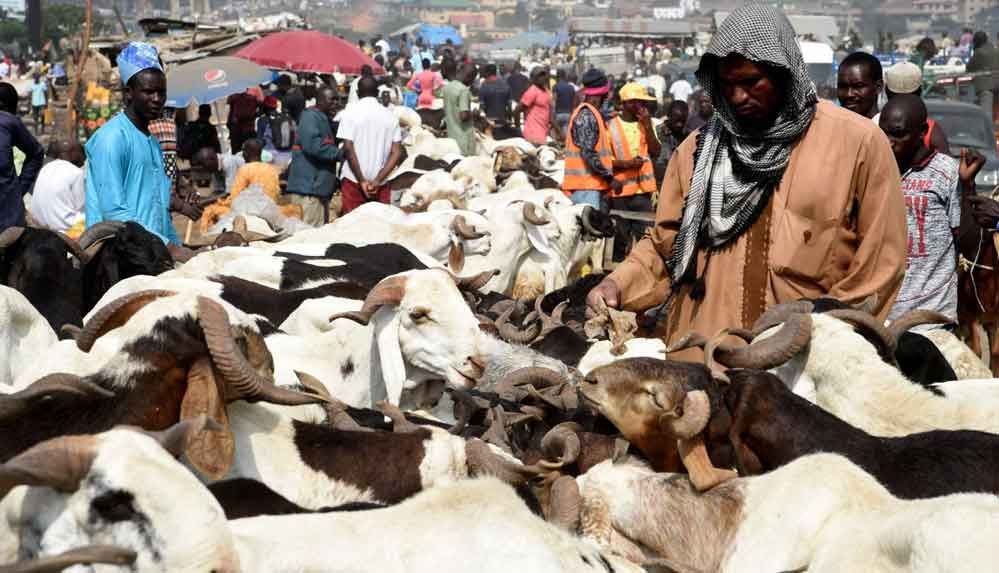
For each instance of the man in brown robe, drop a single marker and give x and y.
(778, 197)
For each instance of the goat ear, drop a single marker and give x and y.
(211, 452)
(390, 356)
(456, 256)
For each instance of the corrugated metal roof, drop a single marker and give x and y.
(633, 27)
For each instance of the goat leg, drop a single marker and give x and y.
(695, 458)
(400, 425)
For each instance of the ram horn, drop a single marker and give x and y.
(74, 249)
(870, 328)
(565, 503)
(550, 323)
(779, 313)
(915, 318)
(511, 333)
(16, 404)
(476, 281)
(87, 555)
(531, 215)
(768, 353)
(464, 230)
(60, 463)
(389, 291)
(481, 460)
(695, 417)
(535, 375)
(690, 340)
(242, 381)
(99, 232)
(114, 314)
(9, 236)
(456, 256)
(562, 444)
(336, 411)
(717, 371)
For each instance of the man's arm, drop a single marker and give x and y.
(651, 139)
(465, 106)
(355, 165)
(33, 156)
(106, 166)
(394, 156)
(878, 265)
(642, 278)
(314, 145)
(584, 134)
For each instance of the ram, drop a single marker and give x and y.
(843, 373)
(820, 512)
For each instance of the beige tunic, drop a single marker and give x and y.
(835, 227)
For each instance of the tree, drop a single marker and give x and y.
(62, 20)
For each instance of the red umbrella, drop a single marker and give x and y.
(308, 51)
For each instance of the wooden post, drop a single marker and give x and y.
(80, 63)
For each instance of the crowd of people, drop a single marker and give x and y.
(733, 168)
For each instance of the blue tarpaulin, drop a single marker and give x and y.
(437, 35)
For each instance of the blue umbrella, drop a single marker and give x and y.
(211, 79)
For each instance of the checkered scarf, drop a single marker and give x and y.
(736, 171)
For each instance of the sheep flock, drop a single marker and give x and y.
(420, 389)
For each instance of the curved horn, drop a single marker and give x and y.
(14, 405)
(74, 248)
(389, 291)
(60, 463)
(464, 230)
(336, 411)
(791, 339)
(871, 328)
(242, 381)
(483, 461)
(562, 444)
(915, 318)
(114, 314)
(696, 413)
(689, 340)
(99, 232)
(717, 371)
(532, 216)
(535, 375)
(511, 333)
(477, 281)
(9, 236)
(565, 503)
(88, 555)
(550, 323)
(779, 313)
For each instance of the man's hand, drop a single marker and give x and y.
(616, 186)
(190, 211)
(643, 114)
(984, 210)
(971, 163)
(607, 291)
(180, 254)
(368, 188)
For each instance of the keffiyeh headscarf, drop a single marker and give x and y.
(736, 171)
(137, 56)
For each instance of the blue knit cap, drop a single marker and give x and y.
(137, 56)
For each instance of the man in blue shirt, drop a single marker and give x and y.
(13, 134)
(126, 180)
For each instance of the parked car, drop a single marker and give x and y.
(967, 125)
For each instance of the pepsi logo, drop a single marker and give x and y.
(215, 75)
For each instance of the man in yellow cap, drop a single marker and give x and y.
(633, 143)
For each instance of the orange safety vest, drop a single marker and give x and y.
(635, 180)
(577, 174)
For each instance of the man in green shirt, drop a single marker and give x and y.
(458, 105)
